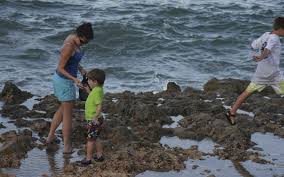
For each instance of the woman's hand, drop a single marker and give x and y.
(78, 83)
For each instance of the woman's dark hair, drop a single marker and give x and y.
(85, 30)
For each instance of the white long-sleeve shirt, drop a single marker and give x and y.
(267, 71)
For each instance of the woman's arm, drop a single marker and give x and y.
(66, 53)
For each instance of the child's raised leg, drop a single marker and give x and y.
(242, 98)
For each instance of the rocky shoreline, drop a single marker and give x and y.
(134, 124)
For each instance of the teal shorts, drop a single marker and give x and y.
(64, 89)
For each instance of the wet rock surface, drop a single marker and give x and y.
(14, 146)
(134, 122)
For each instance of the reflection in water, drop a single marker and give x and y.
(241, 169)
(42, 162)
(56, 168)
(206, 145)
(199, 168)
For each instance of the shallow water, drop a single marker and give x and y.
(29, 103)
(175, 124)
(273, 150)
(206, 145)
(39, 162)
(206, 167)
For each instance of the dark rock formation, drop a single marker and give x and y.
(11, 94)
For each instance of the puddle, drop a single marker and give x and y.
(272, 146)
(114, 100)
(1, 104)
(33, 119)
(155, 92)
(29, 103)
(263, 170)
(239, 111)
(9, 126)
(39, 162)
(272, 150)
(199, 168)
(206, 145)
(175, 124)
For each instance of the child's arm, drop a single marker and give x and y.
(257, 43)
(271, 43)
(98, 114)
(263, 55)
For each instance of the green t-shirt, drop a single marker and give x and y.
(94, 99)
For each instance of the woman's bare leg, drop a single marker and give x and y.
(67, 125)
(57, 119)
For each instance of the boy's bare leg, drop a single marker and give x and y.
(99, 148)
(239, 101)
(90, 149)
(67, 125)
(57, 119)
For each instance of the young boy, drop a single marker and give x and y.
(93, 118)
(267, 71)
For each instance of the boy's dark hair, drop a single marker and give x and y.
(85, 30)
(278, 23)
(98, 75)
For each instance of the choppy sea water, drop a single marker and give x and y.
(142, 44)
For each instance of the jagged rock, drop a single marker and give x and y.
(14, 111)
(133, 127)
(173, 87)
(11, 94)
(48, 104)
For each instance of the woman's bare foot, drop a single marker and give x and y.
(67, 150)
(50, 138)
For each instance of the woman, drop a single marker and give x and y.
(64, 81)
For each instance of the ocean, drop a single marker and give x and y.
(141, 44)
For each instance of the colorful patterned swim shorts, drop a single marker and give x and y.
(93, 130)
